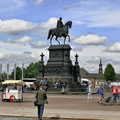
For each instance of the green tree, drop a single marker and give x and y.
(4, 76)
(18, 74)
(109, 73)
(31, 70)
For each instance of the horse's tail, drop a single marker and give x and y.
(49, 33)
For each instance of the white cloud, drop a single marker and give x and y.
(38, 1)
(92, 69)
(24, 39)
(10, 5)
(72, 38)
(91, 39)
(77, 48)
(50, 24)
(91, 64)
(114, 48)
(9, 48)
(94, 59)
(2, 55)
(17, 58)
(88, 57)
(96, 13)
(15, 26)
(105, 19)
(39, 44)
(27, 52)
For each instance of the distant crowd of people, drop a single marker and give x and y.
(57, 84)
(61, 84)
(115, 91)
(45, 83)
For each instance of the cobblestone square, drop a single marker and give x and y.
(61, 106)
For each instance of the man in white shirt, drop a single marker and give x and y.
(89, 93)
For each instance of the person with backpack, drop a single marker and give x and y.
(101, 95)
(115, 93)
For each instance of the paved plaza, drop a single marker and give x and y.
(61, 106)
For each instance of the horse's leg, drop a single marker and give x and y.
(69, 38)
(64, 39)
(51, 39)
(57, 40)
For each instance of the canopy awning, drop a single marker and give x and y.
(18, 82)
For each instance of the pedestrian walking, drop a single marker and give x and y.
(101, 95)
(119, 93)
(64, 87)
(41, 99)
(89, 93)
(115, 93)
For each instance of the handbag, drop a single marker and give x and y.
(36, 102)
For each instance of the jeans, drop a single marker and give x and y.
(40, 111)
(115, 97)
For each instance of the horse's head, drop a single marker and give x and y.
(69, 23)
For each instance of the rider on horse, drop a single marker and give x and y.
(59, 26)
(61, 31)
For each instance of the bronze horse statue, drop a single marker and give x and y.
(64, 32)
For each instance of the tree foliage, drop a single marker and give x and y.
(109, 73)
(31, 70)
(3, 76)
(18, 74)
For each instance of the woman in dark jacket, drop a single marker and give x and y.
(41, 98)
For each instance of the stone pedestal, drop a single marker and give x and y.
(59, 65)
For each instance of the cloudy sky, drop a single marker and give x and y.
(95, 32)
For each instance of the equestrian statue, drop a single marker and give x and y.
(60, 31)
